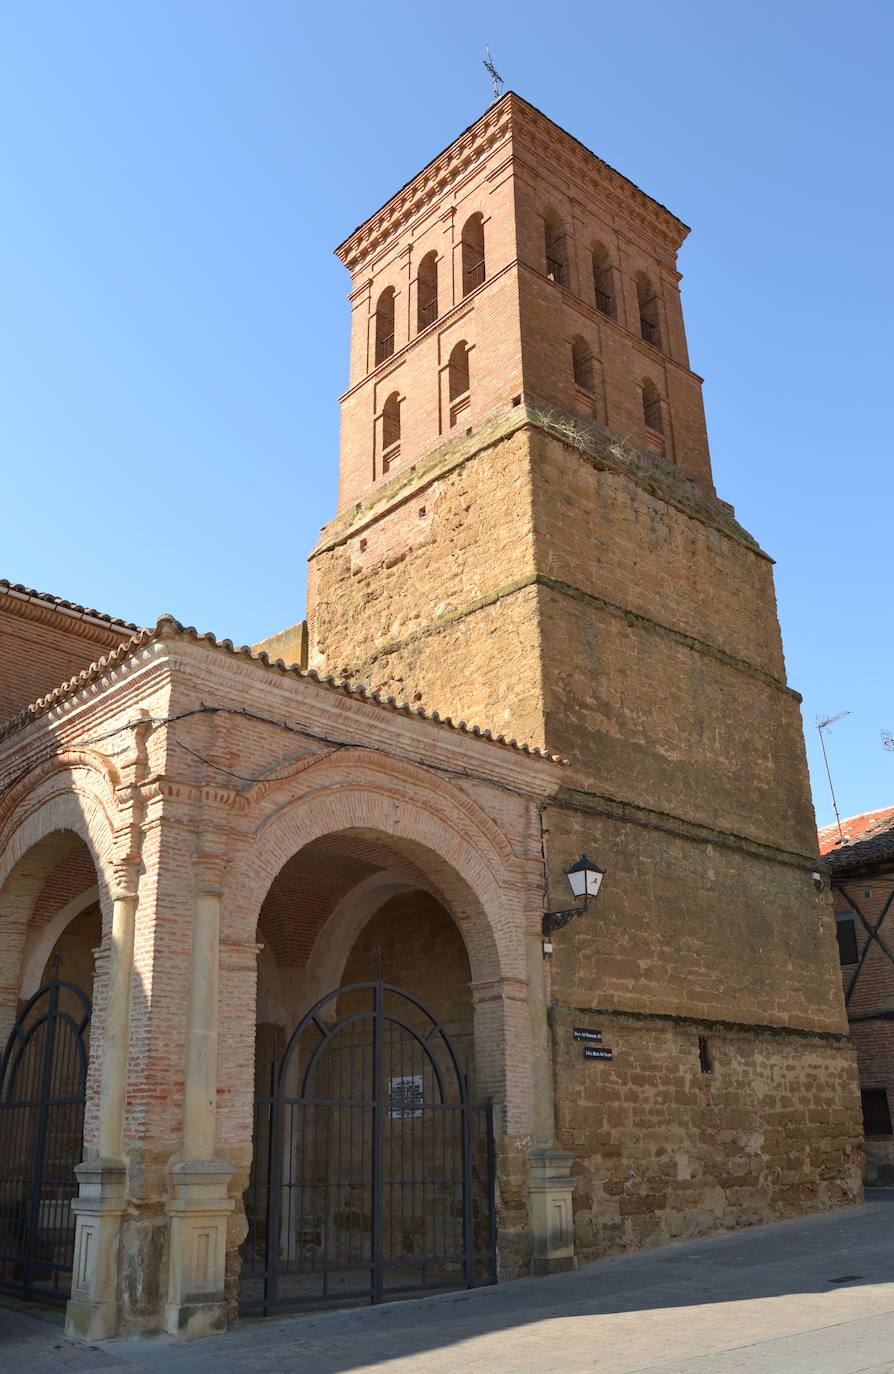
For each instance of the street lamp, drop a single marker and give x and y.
(585, 879)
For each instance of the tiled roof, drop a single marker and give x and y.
(169, 628)
(869, 843)
(853, 828)
(72, 608)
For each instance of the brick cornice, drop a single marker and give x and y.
(587, 173)
(427, 186)
(511, 116)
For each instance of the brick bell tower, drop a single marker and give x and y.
(528, 538)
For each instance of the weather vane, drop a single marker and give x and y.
(495, 76)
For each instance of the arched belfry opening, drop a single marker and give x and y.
(50, 929)
(373, 1164)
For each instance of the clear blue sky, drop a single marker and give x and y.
(174, 176)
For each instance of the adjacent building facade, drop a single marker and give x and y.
(327, 1033)
(860, 861)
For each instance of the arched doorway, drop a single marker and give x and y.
(373, 1164)
(50, 913)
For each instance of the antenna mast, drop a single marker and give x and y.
(823, 723)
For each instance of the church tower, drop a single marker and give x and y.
(528, 538)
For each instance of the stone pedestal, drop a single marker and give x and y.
(550, 1192)
(92, 1312)
(198, 1209)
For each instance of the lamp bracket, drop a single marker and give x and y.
(555, 920)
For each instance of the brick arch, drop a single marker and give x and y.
(349, 766)
(64, 807)
(422, 821)
(41, 821)
(73, 791)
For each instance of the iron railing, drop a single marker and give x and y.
(43, 1074)
(556, 271)
(384, 348)
(373, 1172)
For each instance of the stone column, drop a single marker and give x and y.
(199, 1205)
(92, 1312)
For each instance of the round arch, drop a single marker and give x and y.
(467, 859)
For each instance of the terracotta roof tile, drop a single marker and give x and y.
(856, 827)
(17, 590)
(870, 843)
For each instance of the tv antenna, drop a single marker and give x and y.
(495, 76)
(823, 723)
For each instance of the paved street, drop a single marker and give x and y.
(801, 1297)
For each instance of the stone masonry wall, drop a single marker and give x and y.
(424, 954)
(666, 1151)
(625, 614)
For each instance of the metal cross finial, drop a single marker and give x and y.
(495, 76)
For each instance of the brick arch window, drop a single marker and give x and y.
(427, 291)
(652, 411)
(385, 325)
(649, 323)
(474, 272)
(603, 280)
(555, 242)
(458, 380)
(582, 365)
(390, 430)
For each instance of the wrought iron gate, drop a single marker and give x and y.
(373, 1172)
(43, 1076)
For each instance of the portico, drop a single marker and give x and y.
(255, 837)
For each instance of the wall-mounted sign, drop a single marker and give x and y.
(583, 1033)
(405, 1097)
(592, 1052)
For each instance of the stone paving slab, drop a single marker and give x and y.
(812, 1296)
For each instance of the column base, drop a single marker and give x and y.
(198, 1211)
(93, 1311)
(550, 1194)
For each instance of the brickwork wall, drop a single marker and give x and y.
(71, 876)
(516, 168)
(41, 648)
